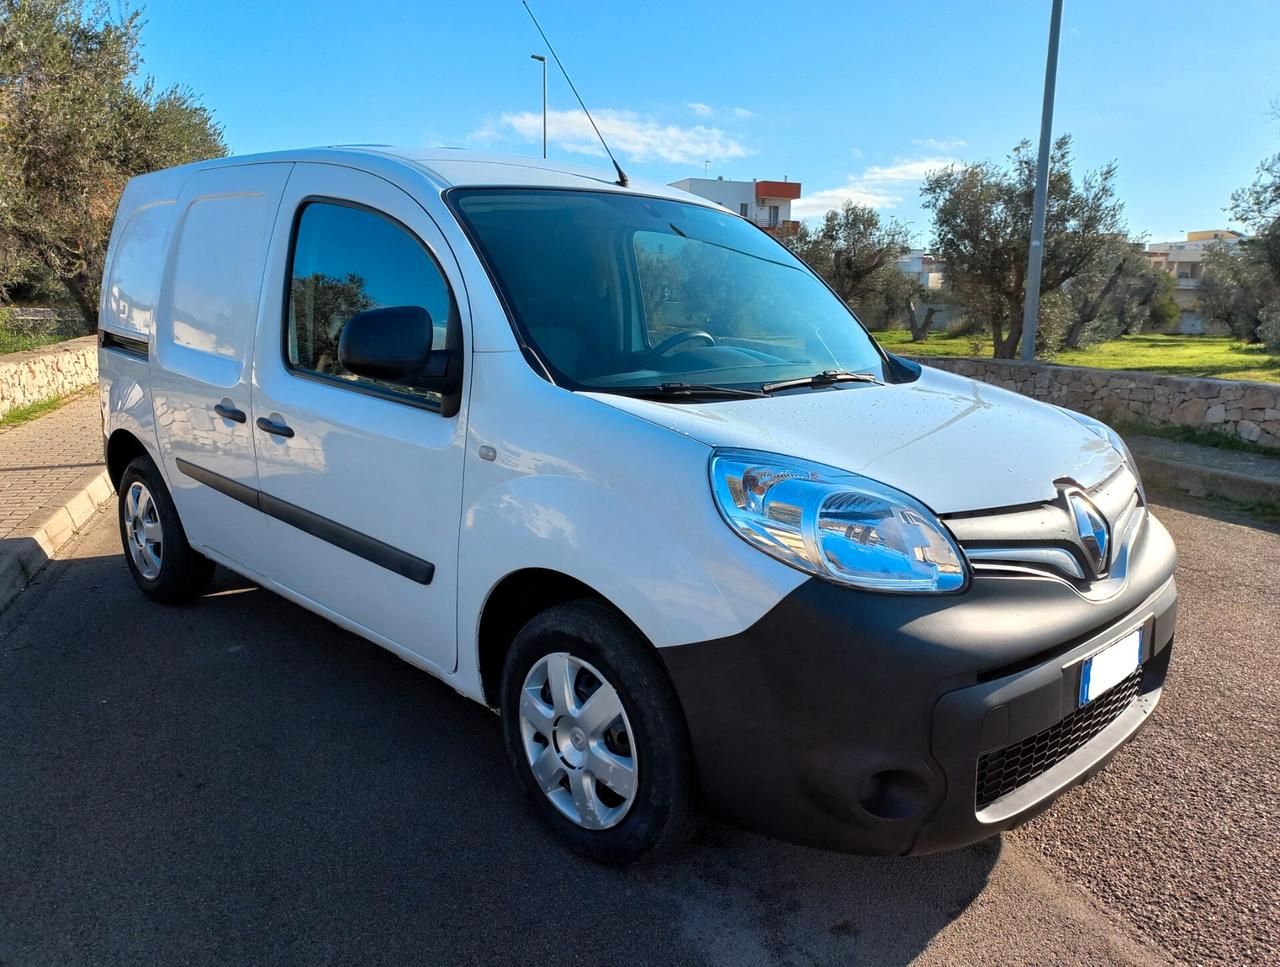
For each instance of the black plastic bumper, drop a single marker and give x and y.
(854, 721)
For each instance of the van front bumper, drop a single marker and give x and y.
(859, 722)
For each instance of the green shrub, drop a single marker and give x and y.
(1269, 328)
(1164, 315)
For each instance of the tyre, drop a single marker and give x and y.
(596, 734)
(163, 564)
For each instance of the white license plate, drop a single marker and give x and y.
(1110, 666)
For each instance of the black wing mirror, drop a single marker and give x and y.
(393, 344)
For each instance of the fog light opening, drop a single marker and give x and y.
(893, 794)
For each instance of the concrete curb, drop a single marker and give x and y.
(1199, 481)
(37, 539)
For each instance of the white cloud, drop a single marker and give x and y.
(742, 112)
(935, 144)
(700, 109)
(630, 135)
(879, 186)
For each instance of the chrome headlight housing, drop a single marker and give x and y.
(836, 525)
(1113, 438)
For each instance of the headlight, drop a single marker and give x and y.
(1112, 437)
(834, 524)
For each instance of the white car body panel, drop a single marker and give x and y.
(906, 435)
(383, 468)
(202, 350)
(615, 502)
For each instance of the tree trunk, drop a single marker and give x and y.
(920, 330)
(83, 290)
(1091, 309)
(1007, 348)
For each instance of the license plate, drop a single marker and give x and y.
(1110, 666)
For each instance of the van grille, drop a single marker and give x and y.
(1002, 771)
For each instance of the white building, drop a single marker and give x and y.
(1185, 262)
(767, 203)
(922, 264)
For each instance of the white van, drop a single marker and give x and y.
(612, 461)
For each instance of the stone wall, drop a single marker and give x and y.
(1248, 410)
(41, 374)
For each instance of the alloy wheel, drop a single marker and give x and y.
(578, 741)
(143, 534)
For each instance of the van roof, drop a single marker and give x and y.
(453, 167)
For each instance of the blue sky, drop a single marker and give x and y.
(854, 99)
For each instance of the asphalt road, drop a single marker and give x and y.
(237, 781)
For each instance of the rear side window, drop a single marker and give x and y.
(346, 260)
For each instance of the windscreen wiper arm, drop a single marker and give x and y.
(677, 390)
(825, 378)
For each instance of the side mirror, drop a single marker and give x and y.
(392, 344)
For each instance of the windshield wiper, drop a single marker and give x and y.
(825, 378)
(678, 390)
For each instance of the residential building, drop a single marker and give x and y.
(923, 265)
(767, 203)
(1185, 262)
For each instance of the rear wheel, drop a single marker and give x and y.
(597, 736)
(165, 567)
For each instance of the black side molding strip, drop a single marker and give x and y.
(124, 344)
(330, 531)
(225, 485)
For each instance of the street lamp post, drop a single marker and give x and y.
(542, 60)
(1035, 257)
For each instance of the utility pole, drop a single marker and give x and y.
(1035, 257)
(542, 60)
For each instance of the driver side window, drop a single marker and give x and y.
(347, 259)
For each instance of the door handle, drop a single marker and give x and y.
(274, 428)
(229, 412)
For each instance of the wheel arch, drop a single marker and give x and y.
(122, 448)
(510, 605)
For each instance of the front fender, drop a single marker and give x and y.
(607, 498)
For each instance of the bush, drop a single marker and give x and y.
(20, 333)
(1056, 315)
(1269, 328)
(1164, 315)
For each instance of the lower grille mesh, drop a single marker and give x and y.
(1004, 770)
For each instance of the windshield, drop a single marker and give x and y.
(619, 291)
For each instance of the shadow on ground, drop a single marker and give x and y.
(238, 780)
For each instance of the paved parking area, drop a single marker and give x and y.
(1181, 834)
(238, 781)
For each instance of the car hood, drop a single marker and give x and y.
(953, 443)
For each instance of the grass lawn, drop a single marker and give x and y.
(16, 342)
(1218, 356)
(25, 414)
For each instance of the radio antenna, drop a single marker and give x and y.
(622, 175)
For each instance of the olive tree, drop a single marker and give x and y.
(1121, 292)
(1237, 288)
(76, 122)
(1245, 283)
(982, 231)
(854, 250)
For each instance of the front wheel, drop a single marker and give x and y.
(597, 736)
(165, 567)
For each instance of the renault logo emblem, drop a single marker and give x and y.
(1091, 526)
